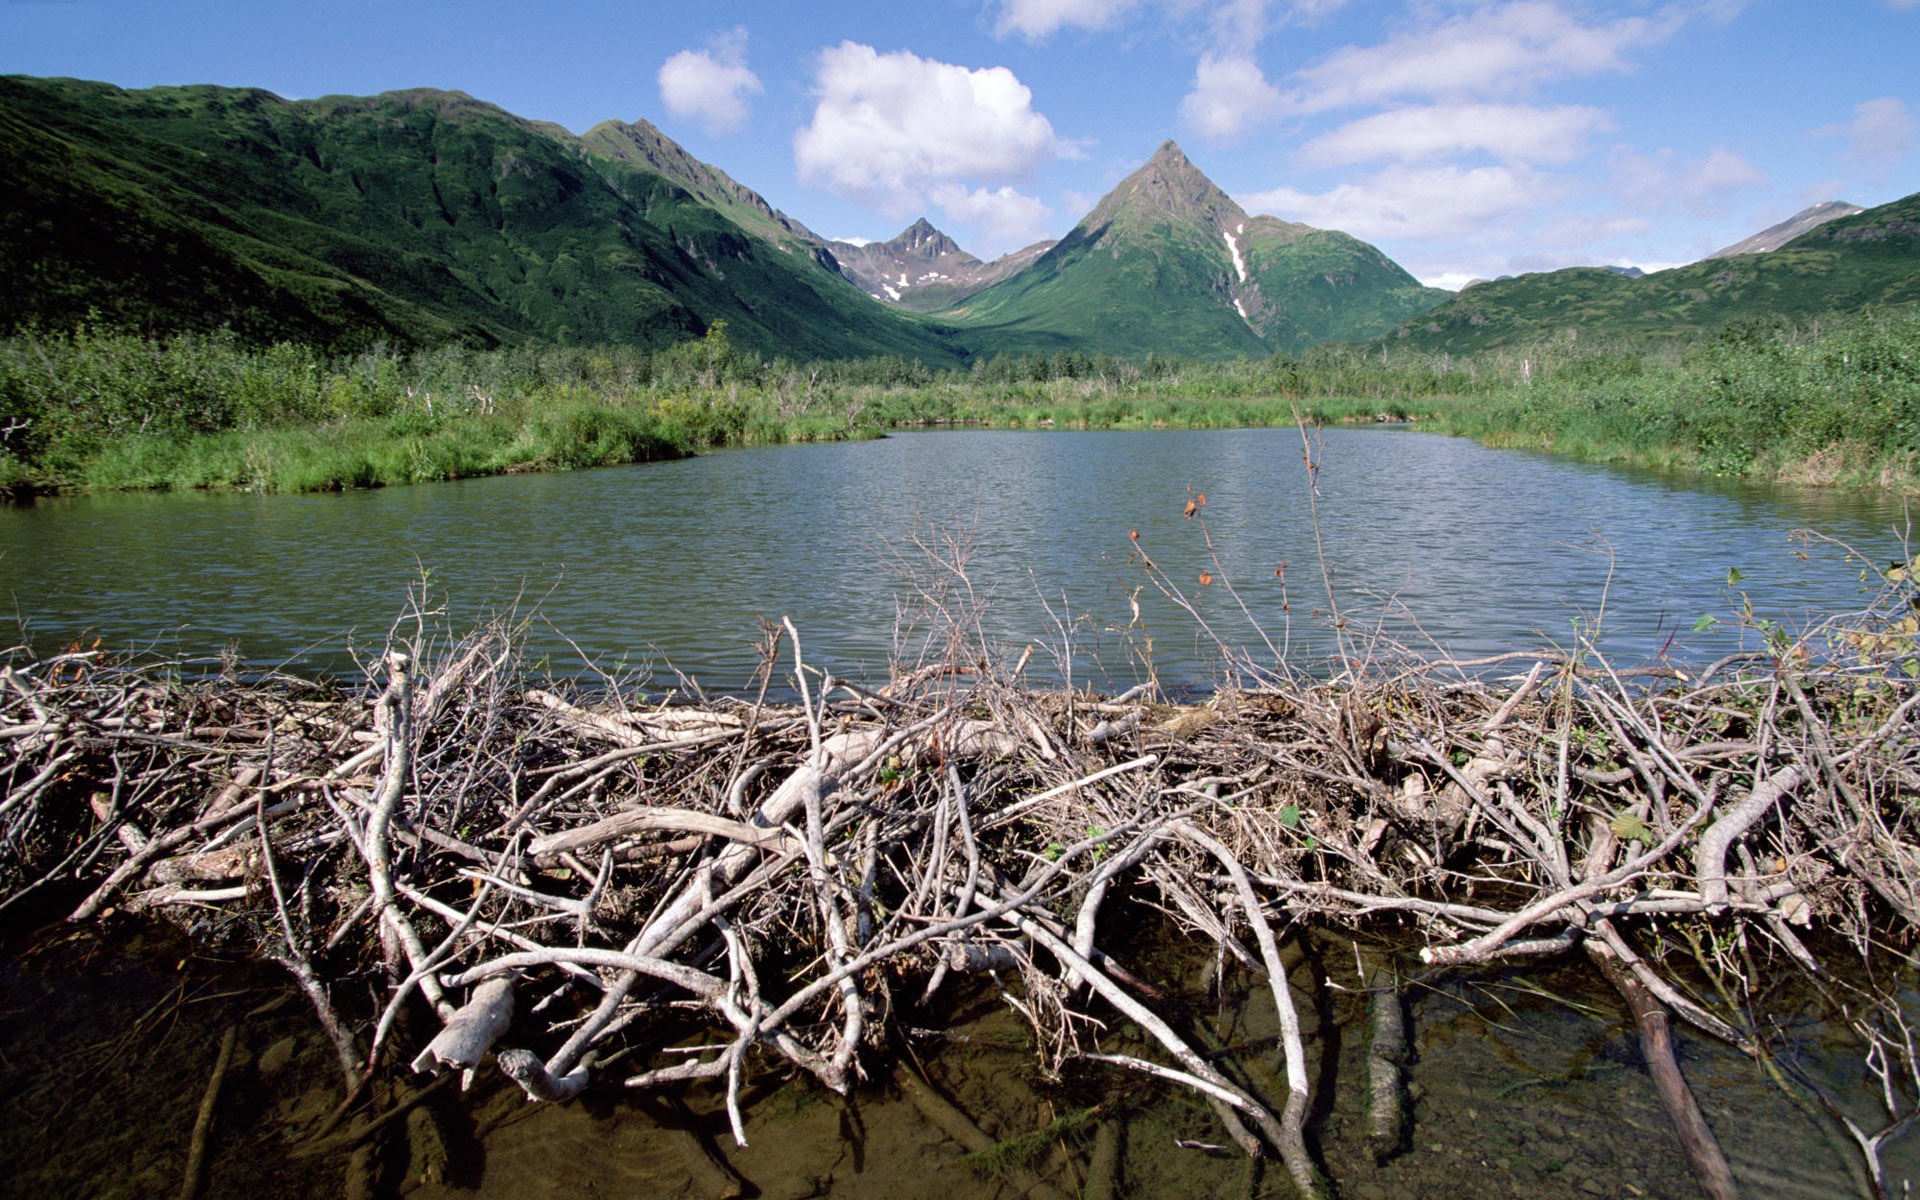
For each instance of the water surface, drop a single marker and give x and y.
(1469, 550)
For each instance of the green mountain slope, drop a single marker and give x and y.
(1168, 263)
(412, 216)
(1869, 258)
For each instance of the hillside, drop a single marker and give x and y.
(412, 217)
(1168, 263)
(1849, 263)
(1775, 236)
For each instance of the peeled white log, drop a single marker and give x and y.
(471, 1031)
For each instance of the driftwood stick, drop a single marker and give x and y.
(525, 1068)
(1656, 1041)
(1307, 1176)
(194, 1178)
(1218, 1085)
(1711, 853)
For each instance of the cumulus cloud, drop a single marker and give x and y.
(1881, 135)
(711, 86)
(1509, 132)
(1036, 19)
(1500, 51)
(1701, 187)
(1003, 218)
(1412, 203)
(1229, 95)
(887, 129)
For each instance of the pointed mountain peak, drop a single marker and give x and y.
(1170, 155)
(922, 237)
(1167, 190)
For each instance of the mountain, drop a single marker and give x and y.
(641, 144)
(1167, 263)
(1775, 236)
(412, 217)
(924, 269)
(1869, 258)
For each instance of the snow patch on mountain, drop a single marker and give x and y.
(1233, 248)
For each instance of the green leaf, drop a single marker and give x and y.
(1290, 816)
(1630, 828)
(1707, 621)
(1734, 576)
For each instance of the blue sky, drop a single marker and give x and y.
(1464, 138)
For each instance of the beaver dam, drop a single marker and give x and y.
(738, 910)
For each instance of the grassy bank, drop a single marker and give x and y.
(98, 409)
(1831, 403)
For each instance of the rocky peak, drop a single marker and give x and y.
(922, 240)
(1167, 190)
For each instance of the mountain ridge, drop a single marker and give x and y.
(1777, 235)
(923, 269)
(1167, 250)
(1871, 257)
(415, 216)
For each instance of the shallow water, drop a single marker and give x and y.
(1526, 1085)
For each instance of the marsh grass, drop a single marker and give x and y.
(1832, 403)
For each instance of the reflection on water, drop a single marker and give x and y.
(677, 562)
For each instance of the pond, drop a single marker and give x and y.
(1433, 543)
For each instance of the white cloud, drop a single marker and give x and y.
(1881, 135)
(1229, 94)
(1412, 203)
(1507, 131)
(888, 128)
(711, 86)
(1003, 218)
(1228, 23)
(1499, 51)
(1581, 230)
(1036, 19)
(1702, 187)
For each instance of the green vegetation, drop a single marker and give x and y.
(98, 409)
(1168, 260)
(410, 219)
(1834, 403)
(1870, 259)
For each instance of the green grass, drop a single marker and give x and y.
(1767, 401)
(1834, 403)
